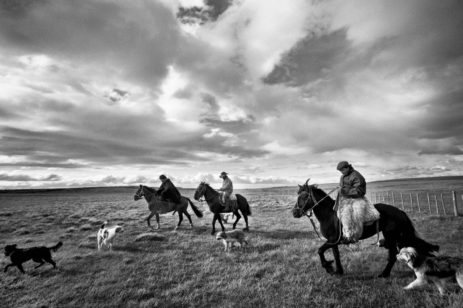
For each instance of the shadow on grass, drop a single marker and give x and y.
(281, 234)
(264, 248)
(356, 276)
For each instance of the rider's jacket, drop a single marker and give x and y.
(353, 184)
(227, 186)
(167, 190)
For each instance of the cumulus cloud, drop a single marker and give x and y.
(28, 178)
(124, 90)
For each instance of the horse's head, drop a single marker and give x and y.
(139, 194)
(303, 197)
(200, 191)
(309, 197)
(304, 203)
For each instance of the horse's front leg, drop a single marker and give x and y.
(213, 223)
(149, 218)
(327, 265)
(220, 221)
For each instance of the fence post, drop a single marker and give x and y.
(454, 197)
(429, 204)
(435, 202)
(443, 205)
(411, 202)
(418, 202)
(393, 203)
(402, 201)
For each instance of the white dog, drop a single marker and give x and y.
(439, 270)
(230, 237)
(227, 217)
(106, 235)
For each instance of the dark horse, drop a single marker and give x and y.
(398, 230)
(157, 206)
(212, 198)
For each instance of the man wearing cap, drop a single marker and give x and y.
(226, 189)
(354, 207)
(168, 191)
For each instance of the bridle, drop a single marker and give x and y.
(139, 194)
(202, 192)
(312, 198)
(315, 204)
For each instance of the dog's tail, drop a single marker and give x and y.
(56, 247)
(104, 225)
(195, 209)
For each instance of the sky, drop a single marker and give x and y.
(109, 93)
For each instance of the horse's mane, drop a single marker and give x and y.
(318, 191)
(150, 189)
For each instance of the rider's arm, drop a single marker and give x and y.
(357, 188)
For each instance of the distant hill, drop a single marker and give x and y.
(406, 184)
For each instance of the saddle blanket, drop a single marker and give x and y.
(232, 202)
(354, 213)
(231, 198)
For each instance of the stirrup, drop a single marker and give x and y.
(347, 241)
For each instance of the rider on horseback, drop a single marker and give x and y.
(168, 191)
(354, 208)
(226, 189)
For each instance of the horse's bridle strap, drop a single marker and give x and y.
(319, 201)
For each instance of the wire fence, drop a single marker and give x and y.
(425, 203)
(442, 203)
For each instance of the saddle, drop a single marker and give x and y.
(231, 204)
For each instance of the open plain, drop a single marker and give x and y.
(188, 268)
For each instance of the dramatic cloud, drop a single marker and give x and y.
(111, 92)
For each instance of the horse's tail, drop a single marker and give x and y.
(410, 238)
(243, 205)
(195, 208)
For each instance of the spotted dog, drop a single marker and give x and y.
(436, 269)
(106, 235)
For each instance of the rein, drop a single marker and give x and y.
(203, 193)
(311, 213)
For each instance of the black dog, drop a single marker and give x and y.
(38, 254)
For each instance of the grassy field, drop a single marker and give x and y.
(188, 268)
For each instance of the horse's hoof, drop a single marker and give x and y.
(383, 275)
(328, 266)
(338, 273)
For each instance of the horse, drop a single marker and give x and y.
(397, 228)
(158, 206)
(212, 198)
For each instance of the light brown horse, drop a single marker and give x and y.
(158, 206)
